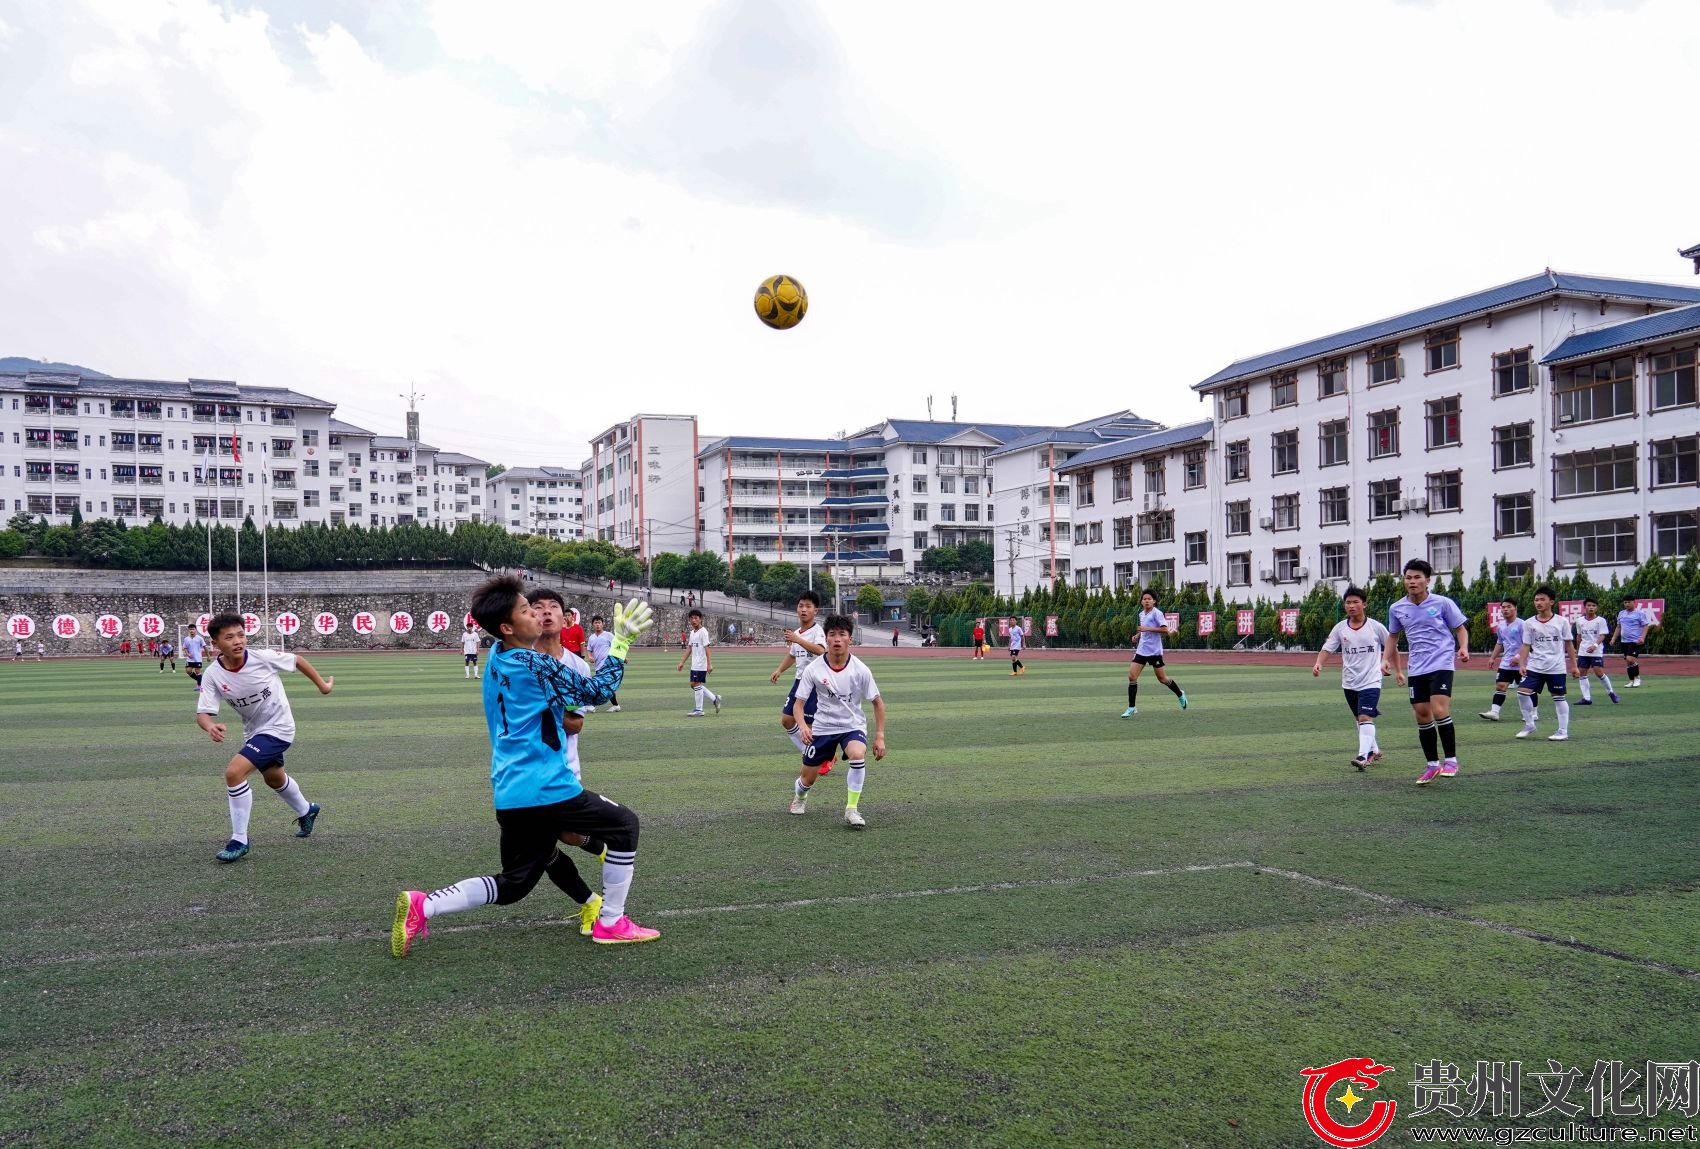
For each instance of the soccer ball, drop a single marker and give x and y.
(781, 302)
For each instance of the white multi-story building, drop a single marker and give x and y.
(1502, 425)
(457, 489)
(640, 485)
(547, 501)
(1031, 502)
(349, 447)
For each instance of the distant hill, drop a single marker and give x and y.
(19, 363)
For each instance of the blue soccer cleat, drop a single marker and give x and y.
(232, 851)
(305, 821)
(1183, 700)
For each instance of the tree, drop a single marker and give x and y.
(917, 602)
(746, 571)
(976, 558)
(870, 600)
(781, 582)
(941, 560)
(494, 469)
(667, 569)
(625, 569)
(11, 544)
(591, 564)
(704, 570)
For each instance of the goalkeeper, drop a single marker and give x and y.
(538, 797)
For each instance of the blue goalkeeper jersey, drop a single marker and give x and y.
(526, 698)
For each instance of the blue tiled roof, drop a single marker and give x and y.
(1071, 438)
(1631, 332)
(1690, 252)
(927, 431)
(1141, 444)
(1546, 285)
(853, 556)
(757, 443)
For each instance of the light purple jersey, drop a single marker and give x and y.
(1428, 627)
(1150, 644)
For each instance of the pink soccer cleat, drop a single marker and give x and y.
(623, 932)
(1429, 775)
(410, 923)
(1449, 768)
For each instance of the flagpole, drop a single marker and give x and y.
(265, 541)
(212, 509)
(236, 456)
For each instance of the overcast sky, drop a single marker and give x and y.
(547, 216)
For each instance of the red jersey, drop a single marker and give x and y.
(572, 638)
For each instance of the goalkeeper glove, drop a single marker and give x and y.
(630, 621)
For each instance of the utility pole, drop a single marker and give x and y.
(1011, 536)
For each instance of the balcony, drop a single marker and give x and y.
(117, 477)
(151, 449)
(123, 409)
(118, 446)
(37, 444)
(855, 473)
(145, 411)
(38, 476)
(283, 484)
(152, 481)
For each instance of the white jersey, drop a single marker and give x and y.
(838, 695)
(815, 634)
(469, 642)
(193, 648)
(573, 662)
(255, 692)
(1361, 651)
(700, 641)
(1591, 636)
(1545, 641)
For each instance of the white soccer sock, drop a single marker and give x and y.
(241, 804)
(466, 894)
(1562, 708)
(1606, 678)
(291, 794)
(616, 884)
(1366, 738)
(468, 673)
(795, 734)
(697, 693)
(854, 779)
(1587, 692)
(799, 789)
(1494, 709)
(1527, 706)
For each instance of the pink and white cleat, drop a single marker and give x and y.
(623, 932)
(410, 924)
(1449, 768)
(1429, 775)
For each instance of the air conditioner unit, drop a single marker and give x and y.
(1267, 522)
(1153, 502)
(1416, 504)
(1301, 573)
(1266, 575)
(1567, 417)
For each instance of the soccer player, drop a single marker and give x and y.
(469, 651)
(1548, 650)
(1017, 639)
(1507, 645)
(551, 612)
(1633, 623)
(979, 640)
(837, 684)
(526, 698)
(1362, 643)
(808, 642)
(18, 650)
(1438, 636)
(1153, 625)
(1591, 631)
(167, 651)
(248, 680)
(596, 644)
(702, 665)
(572, 634)
(194, 649)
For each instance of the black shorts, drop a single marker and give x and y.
(1505, 674)
(1629, 649)
(531, 837)
(472, 660)
(191, 666)
(1426, 686)
(1148, 659)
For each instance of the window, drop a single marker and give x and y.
(1511, 373)
(1513, 515)
(971, 485)
(1442, 418)
(1336, 506)
(1121, 477)
(1676, 462)
(1336, 560)
(947, 457)
(918, 455)
(1332, 436)
(1287, 564)
(1675, 535)
(1079, 534)
(1606, 542)
(1123, 529)
(1156, 477)
(308, 438)
(1384, 557)
(1084, 493)
(1384, 499)
(1094, 577)
(1513, 446)
(1095, 532)
(1193, 471)
(1161, 571)
(1239, 568)
(1446, 552)
(1594, 391)
(918, 485)
(1286, 512)
(1594, 472)
(920, 541)
(1239, 460)
(1385, 366)
(1673, 378)
(1331, 377)
(1284, 452)
(1384, 434)
(1440, 349)
(1157, 527)
(1445, 492)
(1234, 404)
(947, 484)
(1123, 574)
(1239, 517)
(1284, 390)
(971, 514)
(970, 456)
(1197, 548)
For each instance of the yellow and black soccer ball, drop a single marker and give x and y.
(781, 302)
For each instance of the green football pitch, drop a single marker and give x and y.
(1060, 927)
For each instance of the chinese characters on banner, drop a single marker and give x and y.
(66, 626)
(1247, 621)
(1206, 622)
(325, 623)
(1003, 628)
(1172, 620)
(288, 624)
(364, 622)
(250, 625)
(470, 621)
(1289, 620)
(201, 623)
(1496, 615)
(20, 626)
(1050, 626)
(151, 625)
(401, 622)
(1653, 606)
(109, 626)
(1570, 608)
(437, 622)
